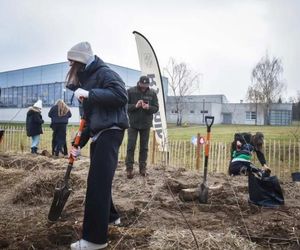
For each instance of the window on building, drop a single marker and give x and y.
(29, 99)
(24, 97)
(35, 93)
(10, 97)
(19, 96)
(15, 97)
(58, 91)
(44, 95)
(250, 115)
(280, 117)
(51, 93)
(69, 98)
(4, 96)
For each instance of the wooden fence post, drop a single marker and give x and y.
(198, 152)
(153, 147)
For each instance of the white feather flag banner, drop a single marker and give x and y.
(150, 67)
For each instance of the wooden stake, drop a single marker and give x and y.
(198, 152)
(153, 147)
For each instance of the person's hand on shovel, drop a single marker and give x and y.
(75, 152)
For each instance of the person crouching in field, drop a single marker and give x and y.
(59, 114)
(242, 148)
(34, 123)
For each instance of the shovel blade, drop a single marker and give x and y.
(60, 198)
(203, 195)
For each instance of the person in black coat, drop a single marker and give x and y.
(59, 114)
(103, 99)
(34, 123)
(142, 104)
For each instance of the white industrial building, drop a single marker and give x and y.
(196, 107)
(20, 88)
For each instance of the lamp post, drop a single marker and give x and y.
(203, 110)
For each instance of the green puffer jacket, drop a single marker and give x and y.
(140, 118)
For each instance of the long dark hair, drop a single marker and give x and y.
(72, 77)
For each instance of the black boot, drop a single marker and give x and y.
(32, 150)
(35, 150)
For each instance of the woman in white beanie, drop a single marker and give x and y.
(103, 99)
(34, 123)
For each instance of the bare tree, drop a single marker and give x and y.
(182, 81)
(266, 83)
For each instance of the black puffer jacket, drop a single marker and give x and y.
(106, 105)
(34, 122)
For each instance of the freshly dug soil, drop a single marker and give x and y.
(152, 215)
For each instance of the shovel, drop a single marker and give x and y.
(62, 189)
(203, 195)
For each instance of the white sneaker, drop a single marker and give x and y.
(86, 245)
(116, 222)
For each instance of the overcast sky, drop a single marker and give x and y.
(220, 39)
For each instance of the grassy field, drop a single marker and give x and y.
(219, 132)
(226, 132)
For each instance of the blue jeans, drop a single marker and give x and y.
(35, 140)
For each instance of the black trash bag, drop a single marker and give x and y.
(265, 191)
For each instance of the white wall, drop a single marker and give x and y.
(18, 115)
(238, 111)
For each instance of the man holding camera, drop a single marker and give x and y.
(142, 104)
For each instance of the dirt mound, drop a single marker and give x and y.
(152, 215)
(26, 161)
(39, 187)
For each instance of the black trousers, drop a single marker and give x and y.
(59, 138)
(143, 154)
(243, 168)
(99, 207)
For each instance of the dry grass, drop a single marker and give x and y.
(150, 214)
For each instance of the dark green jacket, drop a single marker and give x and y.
(140, 118)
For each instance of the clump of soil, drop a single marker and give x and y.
(152, 215)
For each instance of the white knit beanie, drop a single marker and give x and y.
(38, 104)
(81, 52)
